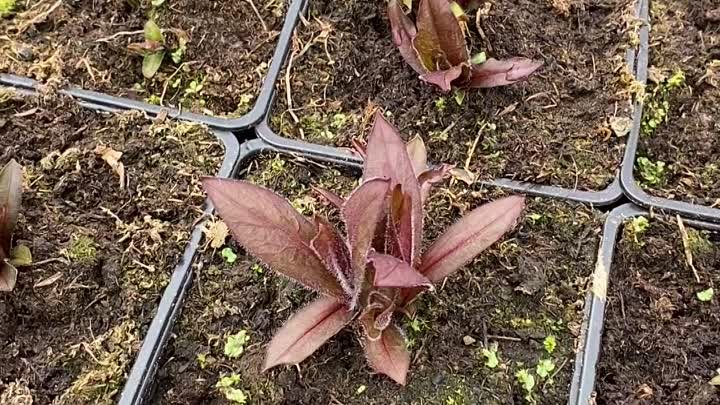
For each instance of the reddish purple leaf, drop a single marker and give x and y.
(359, 148)
(389, 354)
(418, 154)
(403, 34)
(387, 157)
(306, 331)
(11, 178)
(382, 321)
(270, 229)
(493, 72)
(467, 238)
(362, 212)
(333, 252)
(433, 176)
(400, 226)
(378, 312)
(395, 273)
(332, 198)
(444, 78)
(440, 41)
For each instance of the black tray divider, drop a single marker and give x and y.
(258, 112)
(582, 389)
(147, 360)
(629, 183)
(140, 380)
(607, 197)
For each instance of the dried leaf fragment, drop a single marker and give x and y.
(112, 158)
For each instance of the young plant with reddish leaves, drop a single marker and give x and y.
(371, 274)
(10, 198)
(437, 51)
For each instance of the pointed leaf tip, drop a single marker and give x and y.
(306, 331)
(389, 354)
(494, 73)
(387, 157)
(466, 239)
(418, 154)
(469, 236)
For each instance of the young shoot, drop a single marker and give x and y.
(370, 275)
(434, 46)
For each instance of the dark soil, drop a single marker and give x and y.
(516, 294)
(553, 129)
(661, 344)
(102, 255)
(228, 50)
(684, 37)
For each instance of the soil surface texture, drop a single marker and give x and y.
(553, 129)
(683, 151)
(508, 301)
(85, 43)
(661, 344)
(102, 251)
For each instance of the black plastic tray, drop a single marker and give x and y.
(629, 183)
(141, 382)
(609, 196)
(148, 357)
(583, 382)
(257, 114)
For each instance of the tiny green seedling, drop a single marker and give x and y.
(652, 173)
(203, 360)
(550, 344)
(227, 386)
(417, 325)
(229, 255)
(637, 228)
(459, 96)
(527, 382)
(491, 357)
(658, 105)
(706, 295)
(545, 368)
(194, 88)
(440, 104)
(235, 344)
(156, 45)
(7, 7)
